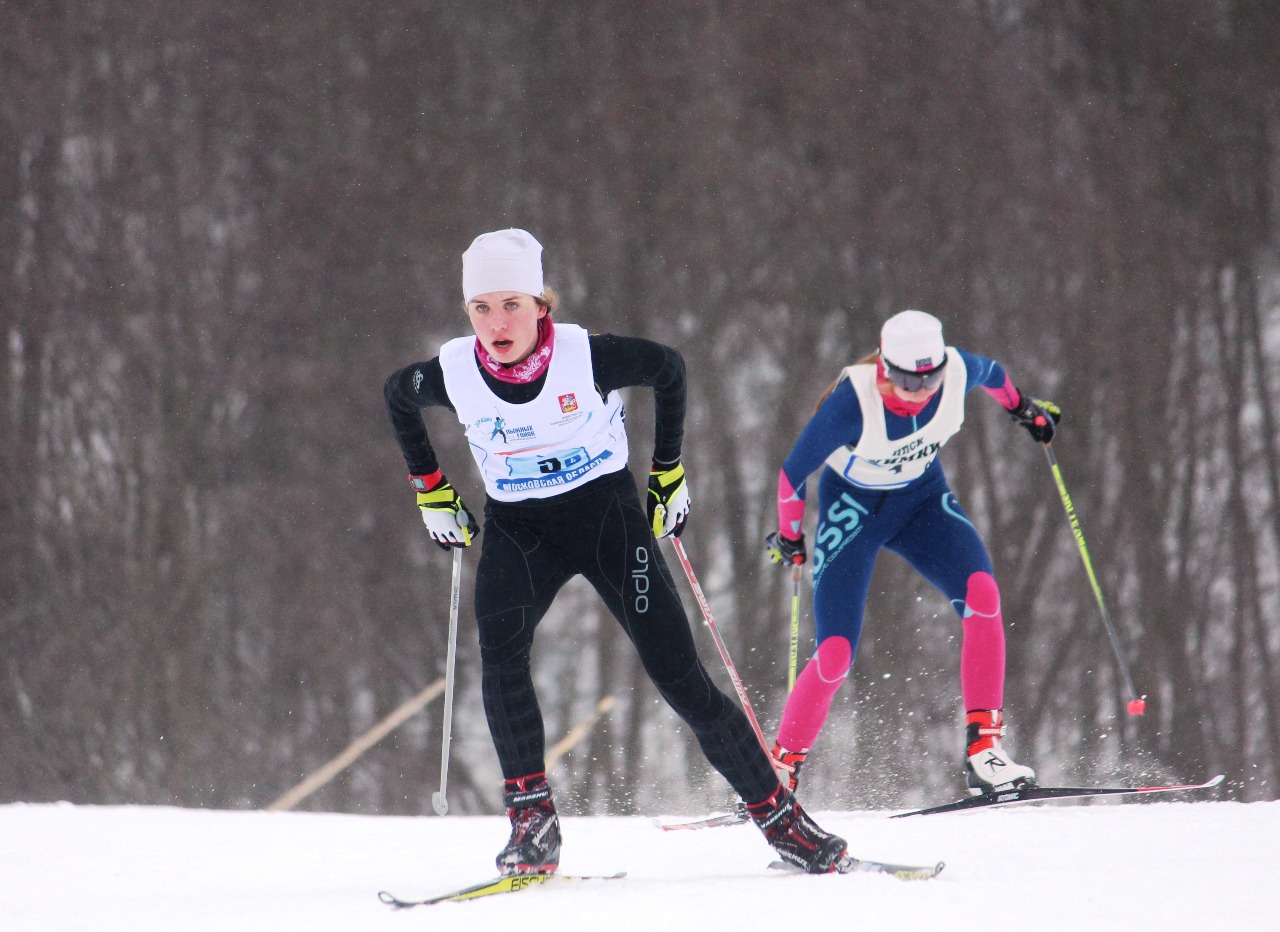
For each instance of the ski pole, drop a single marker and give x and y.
(793, 654)
(1138, 704)
(439, 802)
(720, 646)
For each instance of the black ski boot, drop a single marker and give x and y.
(534, 845)
(795, 836)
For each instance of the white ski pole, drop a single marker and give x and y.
(439, 802)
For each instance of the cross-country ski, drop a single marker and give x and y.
(850, 865)
(1047, 793)
(510, 883)
(986, 800)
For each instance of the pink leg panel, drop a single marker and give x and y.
(982, 651)
(811, 699)
(790, 508)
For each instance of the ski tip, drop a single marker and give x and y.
(908, 872)
(736, 817)
(1207, 784)
(901, 871)
(675, 826)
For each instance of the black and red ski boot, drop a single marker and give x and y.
(795, 836)
(534, 845)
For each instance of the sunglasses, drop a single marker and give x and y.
(910, 381)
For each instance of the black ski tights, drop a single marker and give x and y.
(529, 551)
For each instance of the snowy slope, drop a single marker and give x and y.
(1161, 866)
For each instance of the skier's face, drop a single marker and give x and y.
(506, 323)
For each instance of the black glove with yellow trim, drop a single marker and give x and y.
(448, 521)
(1039, 417)
(784, 551)
(668, 500)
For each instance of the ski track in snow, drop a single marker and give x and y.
(1164, 866)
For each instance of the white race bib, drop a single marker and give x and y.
(565, 437)
(876, 462)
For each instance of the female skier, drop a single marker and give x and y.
(539, 404)
(878, 432)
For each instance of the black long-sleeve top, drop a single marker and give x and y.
(617, 362)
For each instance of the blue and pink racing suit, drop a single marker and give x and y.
(921, 521)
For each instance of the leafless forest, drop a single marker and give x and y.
(223, 224)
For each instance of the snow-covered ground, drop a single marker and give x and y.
(1133, 867)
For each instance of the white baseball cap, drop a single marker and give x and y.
(505, 260)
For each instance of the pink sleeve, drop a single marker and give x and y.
(1006, 394)
(790, 508)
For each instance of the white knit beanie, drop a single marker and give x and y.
(505, 260)
(912, 341)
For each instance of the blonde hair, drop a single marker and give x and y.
(548, 299)
(871, 357)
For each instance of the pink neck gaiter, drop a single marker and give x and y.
(529, 368)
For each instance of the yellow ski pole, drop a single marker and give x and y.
(795, 627)
(1137, 704)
